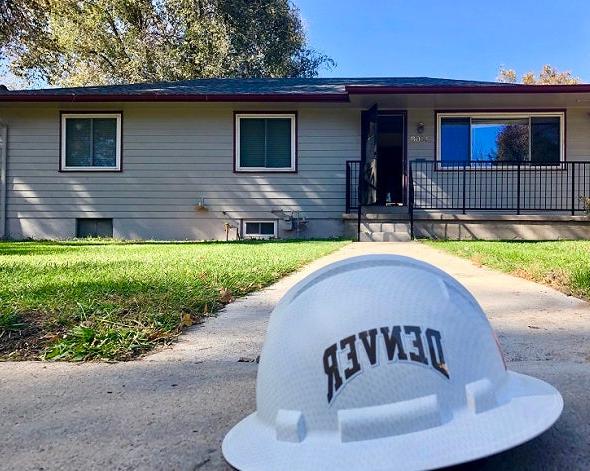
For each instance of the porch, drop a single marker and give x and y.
(486, 199)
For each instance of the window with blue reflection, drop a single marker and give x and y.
(501, 140)
(454, 141)
(533, 139)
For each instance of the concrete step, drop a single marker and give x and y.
(389, 210)
(400, 215)
(385, 226)
(385, 237)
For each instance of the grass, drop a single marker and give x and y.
(565, 265)
(108, 300)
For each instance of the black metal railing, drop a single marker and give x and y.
(352, 185)
(500, 186)
(515, 187)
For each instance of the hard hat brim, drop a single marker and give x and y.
(528, 407)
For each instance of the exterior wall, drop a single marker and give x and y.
(173, 156)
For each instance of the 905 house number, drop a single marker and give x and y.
(420, 138)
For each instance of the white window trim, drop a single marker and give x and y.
(293, 119)
(502, 115)
(260, 236)
(66, 168)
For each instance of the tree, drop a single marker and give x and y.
(93, 42)
(547, 76)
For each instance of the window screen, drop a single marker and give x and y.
(545, 140)
(265, 143)
(90, 142)
(94, 228)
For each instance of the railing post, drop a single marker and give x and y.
(518, 187)
(359, 192)
(411, 200)
(464, 184)
(573, 164)
(347, 187)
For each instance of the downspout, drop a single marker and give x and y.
(3, 177)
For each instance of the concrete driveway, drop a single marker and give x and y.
(171, 410)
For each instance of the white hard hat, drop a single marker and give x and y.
(383, 362)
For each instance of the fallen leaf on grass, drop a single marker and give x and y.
(186, 320)
(225, 296)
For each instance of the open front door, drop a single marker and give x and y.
(368, 174)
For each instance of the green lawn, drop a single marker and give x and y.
(565, 265)
(86, 300)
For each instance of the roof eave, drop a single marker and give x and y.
(379, 90)
(155, 97)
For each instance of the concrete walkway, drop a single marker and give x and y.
(171, 410)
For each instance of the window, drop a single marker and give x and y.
(91, 142)
(265, 142)
(262, 229)
(535, 138)
(94, 228)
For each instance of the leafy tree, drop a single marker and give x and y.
(92, 42)
(513, 141)
(547, 76)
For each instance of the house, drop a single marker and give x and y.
(227, 158)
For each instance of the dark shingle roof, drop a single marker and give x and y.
(290, 89)
(236, 86)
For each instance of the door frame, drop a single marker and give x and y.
(404, 115)
(366, 116)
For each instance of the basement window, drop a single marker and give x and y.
(88, 227)
(260, 229)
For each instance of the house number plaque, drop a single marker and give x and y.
(420, 138)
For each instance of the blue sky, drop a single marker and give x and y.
(449, 38)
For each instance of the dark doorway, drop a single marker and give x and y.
(383, 155)
(390, 165)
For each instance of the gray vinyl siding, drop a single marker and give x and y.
(3, 187)
(174, 155)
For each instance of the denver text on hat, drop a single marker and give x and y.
(418, 345)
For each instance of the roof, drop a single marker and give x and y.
(275, 89)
